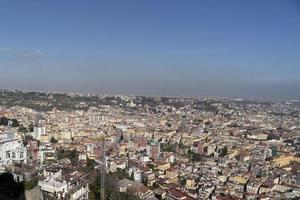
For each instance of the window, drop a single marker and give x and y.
(7, 155)
(13, 155)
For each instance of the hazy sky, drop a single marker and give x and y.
(153, 47)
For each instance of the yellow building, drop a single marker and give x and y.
(285, 160)
(122, 150)
(163, 166)
(172, 175)
(44, 138)
(239, 179)
(190, 184)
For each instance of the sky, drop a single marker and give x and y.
(229, 48)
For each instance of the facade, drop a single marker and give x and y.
(138, 189)
(175, 194)
(11, 149)
(54, 187)
(153, 150)
(59, 187)
(38, 132)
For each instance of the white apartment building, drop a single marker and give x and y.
(38, 131)
(56, 186)
(11, 149)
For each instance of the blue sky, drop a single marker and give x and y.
(171, 47)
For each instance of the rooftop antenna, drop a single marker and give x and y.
(103, 163)
(103, 169)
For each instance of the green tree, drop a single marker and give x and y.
(29, 185)
(195, 157)
(15, 123)
(4, 121)
(53, 140)
(122, 174)
(182, 181)
(224, 151)
(111, 191)
(30, 127)
(90, 164)
(22, 129)
(73, 155)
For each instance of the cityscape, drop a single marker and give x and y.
(149, 100)
(150, 147)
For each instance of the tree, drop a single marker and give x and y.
(53, 140)
(111, 192)
(195, 157)
(122, 174)
(30, 127)
(22, 129)
(168, 147)
(151, 166)
(29, 185)
(182, 181)
(15, 123)
(90, 164)
(4, 121)
(27, 138)
(224, 151)
(73, 155)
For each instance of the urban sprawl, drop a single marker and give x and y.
(88, 146)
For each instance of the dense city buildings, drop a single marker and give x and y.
(66, 146)
(149, 100)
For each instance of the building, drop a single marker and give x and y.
(175, 194)
(74, 186)
(11, 149)
(137, 189)
(38, 131)
(153, 150)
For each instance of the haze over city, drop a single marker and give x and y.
(170, 48)
(149, 100)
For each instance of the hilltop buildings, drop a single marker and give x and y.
(157, 148)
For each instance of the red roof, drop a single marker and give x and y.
(179, 194)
